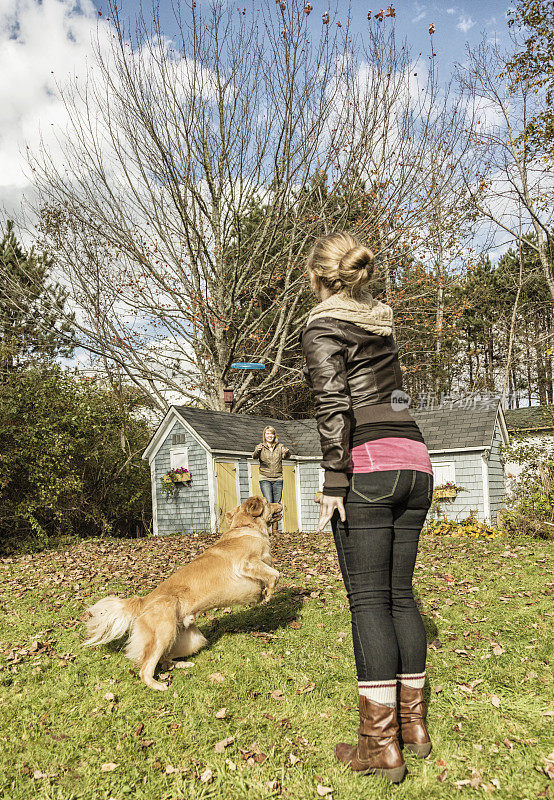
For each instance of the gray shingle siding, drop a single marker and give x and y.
(243, 479)
(497, 486)
(309, 482)
(189, 508)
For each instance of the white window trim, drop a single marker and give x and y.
(178, 450)
(154, 498)
(321, 478)
(451, 464)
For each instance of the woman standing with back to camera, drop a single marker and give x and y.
(377, 492)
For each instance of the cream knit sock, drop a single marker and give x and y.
(416, 679)
(383, 692)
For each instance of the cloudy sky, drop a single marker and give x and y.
(42, 44)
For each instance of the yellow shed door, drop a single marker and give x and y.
(226, 490)
(290, 517)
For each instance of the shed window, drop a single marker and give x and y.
(179, 457)
(444, 472)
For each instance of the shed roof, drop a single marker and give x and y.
(444, 428)
(532, 418)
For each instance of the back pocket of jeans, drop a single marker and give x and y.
(372, 493)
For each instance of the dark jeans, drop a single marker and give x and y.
(377, 549)
(272, 490)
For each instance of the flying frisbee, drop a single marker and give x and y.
(247, 365)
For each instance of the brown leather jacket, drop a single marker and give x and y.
(353, 374)
(271, 460)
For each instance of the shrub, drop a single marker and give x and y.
(470, 527)
(70, 459)
(531, 506)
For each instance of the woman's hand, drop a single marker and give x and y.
(258, 447)
(327, 507)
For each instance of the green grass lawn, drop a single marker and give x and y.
(259, 711)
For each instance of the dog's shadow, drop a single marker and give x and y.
(281, 610)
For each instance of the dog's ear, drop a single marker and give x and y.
(253, 506)
(230, 514)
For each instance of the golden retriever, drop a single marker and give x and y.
(161, 626)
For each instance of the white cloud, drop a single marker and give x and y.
(42, 46)
(465, 24)
(451, 11)
(420, 11)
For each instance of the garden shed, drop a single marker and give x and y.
(216, 447)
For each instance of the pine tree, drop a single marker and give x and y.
(31, 325)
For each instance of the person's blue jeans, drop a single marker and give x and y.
(377, 549)
(272, 490)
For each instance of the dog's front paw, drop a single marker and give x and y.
(268, 594)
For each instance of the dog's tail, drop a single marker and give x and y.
(111, 618)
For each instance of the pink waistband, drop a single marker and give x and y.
(390, 453)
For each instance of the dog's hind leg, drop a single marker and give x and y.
(189, 640)
(153, 635)
(163, 639)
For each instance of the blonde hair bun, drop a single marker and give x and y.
(342, 263)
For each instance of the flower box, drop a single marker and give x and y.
(183, 478)
(445, 494)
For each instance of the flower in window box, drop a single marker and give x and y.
(172, 478)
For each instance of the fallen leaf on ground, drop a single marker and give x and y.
(476, 779)
(216, 677)
(495, 700)
(277, 694)
(308, 688)
(207, 776)
(323, 791)
(219, 747)
(548, 769)
(221, 714)
(109, 767)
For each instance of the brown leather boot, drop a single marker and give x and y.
(274, 527)
(412, 710)
(377, 751)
